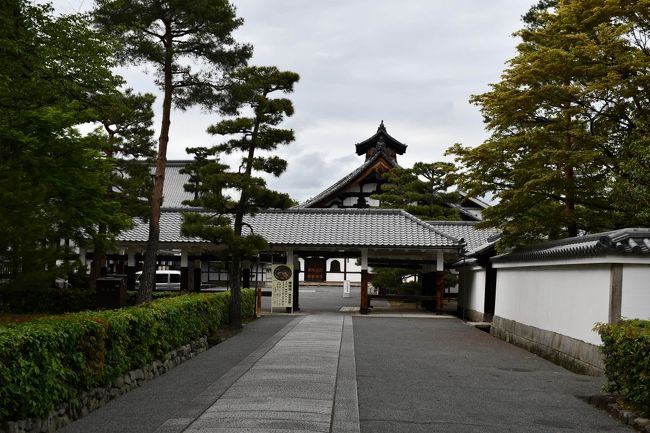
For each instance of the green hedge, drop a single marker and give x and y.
(626, 353)
(46, 300)
(56, 301)
(48, 361)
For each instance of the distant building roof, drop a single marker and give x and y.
(475, 238)
(629, 241)
(346, 180)
(372, 228)
(381, 141)
(173, 189)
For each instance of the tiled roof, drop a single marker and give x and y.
(634, 241)
(473, 213)
(381, 136)
(170, 229)
(173, 189)
(345, 180)
(475, 238)
(380, 228)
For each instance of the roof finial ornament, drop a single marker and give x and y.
(381, 127)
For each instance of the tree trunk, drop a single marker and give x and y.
(147, 281)
(235, 264)
(570, 204)
(235, 291)
(569, 178)
(99, 258)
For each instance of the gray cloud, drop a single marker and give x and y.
(413, 64)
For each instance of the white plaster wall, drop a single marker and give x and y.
(474, 286)
(369, 187)
(568, 300)
(352, 271)
(635, 303)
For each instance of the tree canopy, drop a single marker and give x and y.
(568, 151)
(126, 140)
(52, 179)
(234, 193)
(422, 190)
(173, 35)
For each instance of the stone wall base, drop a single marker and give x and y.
(572, 354)
(469, 315)
(88, 401)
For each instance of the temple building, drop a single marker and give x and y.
(355, 190)
(336, 236)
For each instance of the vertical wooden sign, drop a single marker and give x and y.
(282, 286)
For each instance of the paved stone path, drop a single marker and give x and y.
(319, 373)
(293, 386)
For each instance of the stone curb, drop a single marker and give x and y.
(93, 399)
(608, 403)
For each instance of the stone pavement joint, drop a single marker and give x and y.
(346, 402)
(305, 383)
(217, 389)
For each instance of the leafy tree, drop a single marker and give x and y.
(393, 280)
(569, 121)
(172, 35)
(127, 137)
(421, 190)
(52, 178)
(249, 91)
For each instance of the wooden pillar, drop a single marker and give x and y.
(196, 283)
(615, 292)
(429, 285)
(365, 278)
(440, 290)
(440, 280)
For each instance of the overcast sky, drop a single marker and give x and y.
(411, 63)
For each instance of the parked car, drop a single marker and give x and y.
(165, 280)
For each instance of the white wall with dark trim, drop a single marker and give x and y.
(567, 300)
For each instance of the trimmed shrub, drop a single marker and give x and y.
(626, 353)
(46, 300)
(49, 361)
(57, 301)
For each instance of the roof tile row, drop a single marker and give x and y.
(319, 227)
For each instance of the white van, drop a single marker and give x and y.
(165, 280)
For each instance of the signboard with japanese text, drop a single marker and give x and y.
(282, 286)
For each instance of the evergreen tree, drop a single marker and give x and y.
(248, 90)
(567, 119)
(52, 178)
(127, 134)
(170, 34)
(422, 191)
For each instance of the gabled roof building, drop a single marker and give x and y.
(325, 235)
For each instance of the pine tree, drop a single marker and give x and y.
(127, 137)
(248, 90)
(566, 118)
(172, 35)
(422, 191)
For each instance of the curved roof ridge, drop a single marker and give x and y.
(620, 241)
(430, 227)
(345, 179)
(452, 222)
(363, 146)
